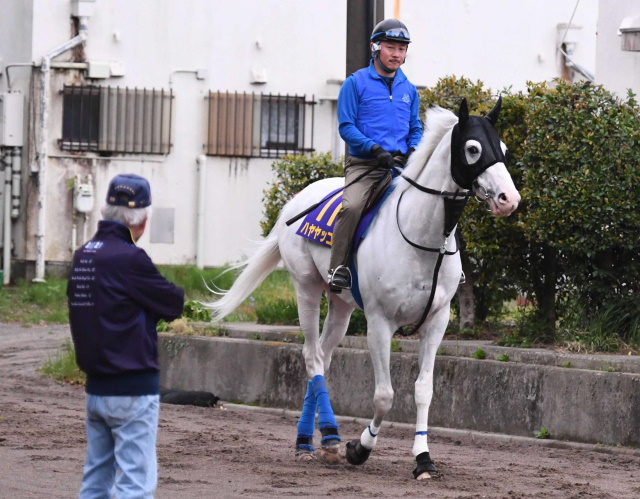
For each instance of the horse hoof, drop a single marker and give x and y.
(305, 456)
(426, 467)
(330, 455)
(356, 453)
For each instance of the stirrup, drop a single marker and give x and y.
(463, 278)
(339, 279)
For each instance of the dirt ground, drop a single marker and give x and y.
(232, 453)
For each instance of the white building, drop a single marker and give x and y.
(197, 94)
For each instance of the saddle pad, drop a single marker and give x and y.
(318, 225)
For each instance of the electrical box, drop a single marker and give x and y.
(83, 197)
(98, 69)
(11, 119)
(82, 8)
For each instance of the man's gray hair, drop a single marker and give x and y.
(131, 217)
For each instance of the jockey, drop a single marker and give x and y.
(378, 114)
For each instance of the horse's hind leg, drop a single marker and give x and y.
(333, 331)
(309, 316)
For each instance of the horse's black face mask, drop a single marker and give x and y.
(475, 145)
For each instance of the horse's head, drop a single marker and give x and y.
(477, 160)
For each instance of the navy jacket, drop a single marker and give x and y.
(116, 297)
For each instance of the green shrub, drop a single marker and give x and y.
(290, 175)
(194, 311)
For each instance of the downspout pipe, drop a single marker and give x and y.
(202, 163)
(6, 249)
(45, 72)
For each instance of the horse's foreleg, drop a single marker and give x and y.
(430, 340)
(379, 339)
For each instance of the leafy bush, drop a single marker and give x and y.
(582, 183)
(290, 175)
(573, 153)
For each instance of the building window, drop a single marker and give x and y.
(263, 126)
(116, 120)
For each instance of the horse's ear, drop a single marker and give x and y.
(495, 112)
(463, 114)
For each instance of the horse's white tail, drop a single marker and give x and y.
(256, 268)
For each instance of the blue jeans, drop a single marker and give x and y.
(121, 447)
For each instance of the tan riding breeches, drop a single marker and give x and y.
(354, 199)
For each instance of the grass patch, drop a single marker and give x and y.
(503, 358)
(479, 354)
(543, 432)
(277, 311)
(35, 302)
(63, 366)
(395, 345)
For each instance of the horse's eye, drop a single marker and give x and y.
(472, 151)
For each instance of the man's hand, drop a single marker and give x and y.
(383, 157)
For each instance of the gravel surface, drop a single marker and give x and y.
(230, 453)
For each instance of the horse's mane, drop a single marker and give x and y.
(438, 122)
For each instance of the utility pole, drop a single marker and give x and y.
(362, 16)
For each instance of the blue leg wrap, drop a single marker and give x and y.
(326, 419)
(307, 418)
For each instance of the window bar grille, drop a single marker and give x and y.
(264, 102)
(219, 131)
(301, 115)
(80, 128)
(278, 109)
(161, 138)
(313, 116)
(144, 118)
(168, 149)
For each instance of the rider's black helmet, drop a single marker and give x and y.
(390, 30)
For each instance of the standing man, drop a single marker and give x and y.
(378, 113)
(116, 297)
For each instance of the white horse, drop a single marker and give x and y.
(397, 265)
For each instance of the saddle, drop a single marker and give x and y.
(318, 225)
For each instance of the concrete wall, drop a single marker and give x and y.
(616, 69)
(483, 395)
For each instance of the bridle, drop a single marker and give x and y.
(454, 204)
(455, 201)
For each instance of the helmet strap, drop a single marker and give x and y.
(382, 66)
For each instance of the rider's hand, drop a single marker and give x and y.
(383, 157)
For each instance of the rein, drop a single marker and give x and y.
(453, 209)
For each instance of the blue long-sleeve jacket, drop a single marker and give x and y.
(369, 114)
(116, 297)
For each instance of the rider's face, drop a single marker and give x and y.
(392, 54)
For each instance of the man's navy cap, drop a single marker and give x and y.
(129, 190)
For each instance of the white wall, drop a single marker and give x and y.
(616, 70)
(501, 42)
